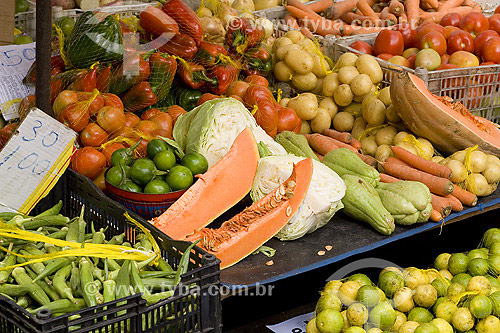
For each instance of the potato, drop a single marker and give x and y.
(358, 127)
(310, 95)
(427, 147)
(493, 159)
(391, 114)
(369, 145)
(295, 36)
(374, 113)
(479, 161)
(385, 96)
(319, 86)
(305, 128)
(347, 74)
(354, 109)
(361, 85)
(492, 173)
(491, 188)
(343, 122)
(282, 72)
(458, 171)
(264, 4)
(244, 5)
(282, 41)
(383, 152)
(320, 66)
(321, 122)
(330, 84)
(347, 59)
(299, 61)
(284, 101)
(283, 51)
(437, 159)
(308, 45)
(366, 64)
(343, 95)
(408, 146)
(400, 137)
(329, 105)
(304, 106)
(478, 184)
(304, 82)
(386, 135)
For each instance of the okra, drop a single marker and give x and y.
(87, 285)
(113, 265)
(155, 298)
(144, 242)
(136, 282)
(164, 266)
(61, 234)
(108, 290)
(51, 248)
(35, 291)
(82, 225)
(37, 267)
(127, 244)
(72, 234)
(123, 280)
(54, 210)
(146, 262)
(117, 239)
(23, 301)
(52, 267)
(8, 261)
(159, 283)
(98, 285)
(49, 290)
(156, 274)
(183, 263)
(74, 280)
(13, 290)
(62, 306)
(59, 283)
(7, 216)
(53, 220)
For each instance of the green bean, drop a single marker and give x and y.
(183, 263)
(53, 220)
(136, 282)
(36, 292)
(59, 283)
(56, 209)
(62, 306)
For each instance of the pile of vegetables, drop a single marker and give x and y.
(460, 293)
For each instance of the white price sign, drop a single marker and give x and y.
(33, 160)
(295, 325)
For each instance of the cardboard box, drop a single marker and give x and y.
(7, 12)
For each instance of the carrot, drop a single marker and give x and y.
(320, 143)
(319, 156)
(363, 21)
(437, 16)
(301, 6)
(319, 6)
(448, 5)
(456, 205)
(436, 216)
(319, 25)
(306, 32)
(344, 137)
(403, 18)
(366, 8)
(388, 17)
(421, 163)
(396, 7)
(385, 178)
(356, 144)
(291, 22)
(396, 160)
(378, 7)
(434, 4)
(368, 160)
(337, 142)
(465, 197)
(349, 30)
(349, 17)
(441, 204)
(436, 185)
(475, 6)
(338, 8)
(412, 12)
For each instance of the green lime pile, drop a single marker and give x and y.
(461, 293)
(163, 171)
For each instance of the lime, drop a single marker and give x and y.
(390, 282)
(455, 289)
(114, 175)
(22, 39)
(357, 314)
(478, 266)
(462, 319)
(355, 329)
(485, 251)
(427, 328)
(155, 146)
(383, 316)
(441, 261)
(462, 278)
(480, 306)
(311, 326)
(494, 248)
(438, 301)
(130, 186)
(495, 302)
(66, 23)
(441, 286)
(493, 282)
(414, 277)
(420, 315)
(142, 171)
(332, 287)
(328, 301)
(442, 325)
(458, 263)
(329, 321)
(477, 253)
(491, 236)
(408, 327)
(368, 295)
(425, 295)
(196, 162)
(348, 292)
(390, 269)
(374, 330)
(157, 186)
(164, 160)
(445, 310)
(494, 261)
(490, 324)
(480, 284)
(403, 299)
(179, 177)
(400, 320)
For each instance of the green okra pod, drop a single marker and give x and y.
(62, 306)
(35, 291)
(59, 283)
(87, 285)
(54, 210)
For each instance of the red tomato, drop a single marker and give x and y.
(88, 162)
(131, 119)
(267, 117)
(446, 66)
(451, 19)
(494, 22)
(65, 98)
(409, 34)
(111, 119)
(113, 100)
(288, 120)
(254, 94)
(257, 80)
(362, 47)
(149, 113)
(56, 86)
(164, 123)
(125, 132)
(238, 98)
(482, 38)
(460, 41)
(205, 98)
(175, 111)
(146, 127)
(100, 181)
(238, 88)
(108, 150)
(475, 23)
(75, 116)
(491, 50)
(411, 60)
(389, 41)
(449, 29)
(445, 58)
(423, 30)
(7, 132)
(385, 56)
(93, 135)
(497, 11)
(434, 40)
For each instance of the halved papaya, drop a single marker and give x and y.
(255, 225)
(217, 190)
(448, 125)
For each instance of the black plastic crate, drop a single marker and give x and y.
(196, 308)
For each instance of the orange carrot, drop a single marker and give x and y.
(434, 4)
(344, 137)
(301, 6)
(319, 156)
(320, 143)
(437, 16)
(385, 178)
(403, 18)
(363, 21)
(436, 216)
(349, 30)
(465, 197)
(421, 164)
(436, 185)
(306, 32)
(388, 17)
(336, 142)
(356, 144)
(412, 11)
(448, 5)
(441, 204)
(366, 8)
(368, 160)
(338, 8)
(319, 6)
(291, 22)
(396, 160)
(349, 17)
(379, 6)
(456, 205)
(319, 25)
(396, 7)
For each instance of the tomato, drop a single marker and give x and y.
(97, 104)
(445, 58)
(108, 150)
(389, 41)
(100, 181)
(257, 80)
(400, 61)
(475, 23)
(56, 86)
(409, 35)
(267, 117)
(434, 40)
(146, 127)
(93, 135)
(164, 123)
(411, 60)
(254, 94)
(362, 47)
(460, 41)
(65, 98)
(88, 162)
(149, 113)
(111, 119)
(205, 98)
(494, 22)
(423, 30)
(238, 88)
(481, 39)
(124, 132)
(155, 146)
(7, 132)
(491, 50)
(451, 19)
(446, 66)
(157, 186)
(449, 29)
(238, 98)
(288, 120)
(75, 116)
(385, 56)
(131, 119)
(164, 160)
(175, 111)
(497, 10)
(113, 100)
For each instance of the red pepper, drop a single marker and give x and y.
(180, 45)
(193, 75)
(208, 53)
(186, 18)
(258, 60)
(224, 74)
(56, 86)
(103, 79)
(157, 22)
(132, 70)
(241, 34)
(86, 81)
(163, 68)
(139, 97)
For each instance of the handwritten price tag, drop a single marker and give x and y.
(33, 160)
(295, 325)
